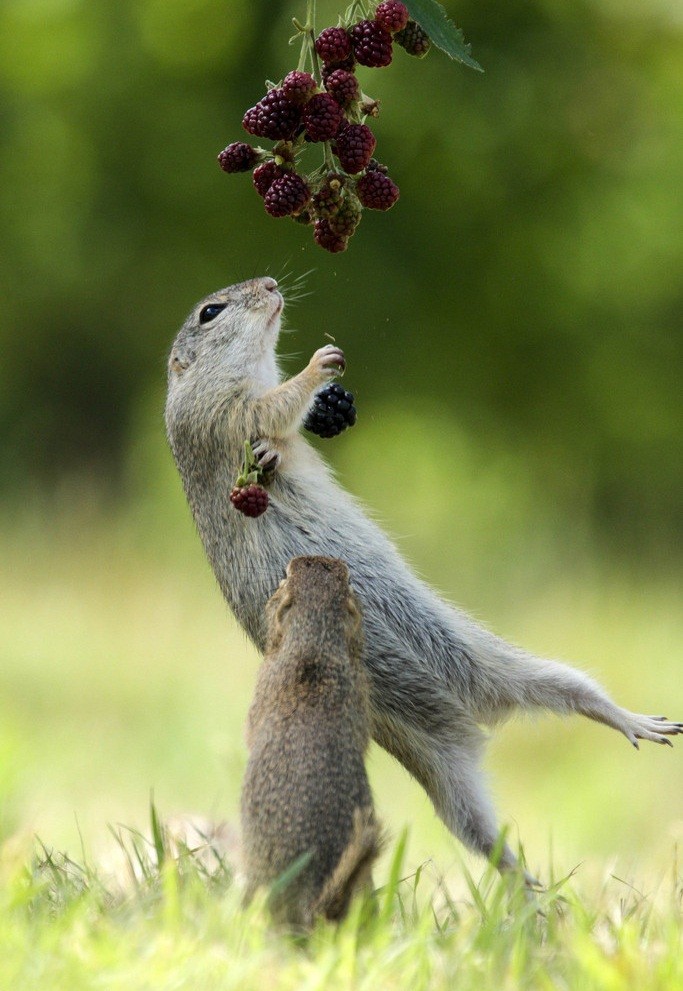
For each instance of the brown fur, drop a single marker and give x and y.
(306, 801)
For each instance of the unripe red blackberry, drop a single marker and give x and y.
(252, 500)
(265, 175)
(299, 87)
(287, 195)
(371, 44)
(354, 147)
(332, 411)
(274, 117)
(329, 67)
(322, 117)
(343, 86)
(392, 15)
(327, 200)
(377, 191)
(327, 239)
(347, 217)
(333, 45)
(415, 41)
(238, 157)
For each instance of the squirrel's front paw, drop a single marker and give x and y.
(267, 457)
(328, 361)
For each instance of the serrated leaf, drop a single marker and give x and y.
(433, 19)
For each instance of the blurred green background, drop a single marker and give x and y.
(513, 335)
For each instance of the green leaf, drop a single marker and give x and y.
(433, 19)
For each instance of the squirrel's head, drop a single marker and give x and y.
(315, 602)
(229, 337)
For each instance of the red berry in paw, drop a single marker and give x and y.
(371, 44)
(343, 86)
(299, 87)
(265, 175)
(274, 117)
(392, 15)
(252, 500)
(415, 41)
(333, 45)
(327, 239)
(322, 117)
(355, 145)
(287, 195)
(377, 191)
(238, 157)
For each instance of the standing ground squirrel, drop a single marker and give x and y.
(305, 796)
(436, 675)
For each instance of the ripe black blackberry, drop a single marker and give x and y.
(251, 500)
(333, 45)
(265, 175)
(348, 64)
(343, 86)
(415, 41)
(371, 44)
(238, 157)
(376, 190)
(299, 87)
(322, 117)
(274, 117)
(354, 147)
(332, 411)
(287, 195)
(327, 239)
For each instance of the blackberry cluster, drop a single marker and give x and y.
(327, 106)
(332, 411)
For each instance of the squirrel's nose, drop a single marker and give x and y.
(269, 283)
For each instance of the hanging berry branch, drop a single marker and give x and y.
(321, 102)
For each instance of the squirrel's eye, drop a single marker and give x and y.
(211, 311)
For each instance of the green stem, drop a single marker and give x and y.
(308, 40)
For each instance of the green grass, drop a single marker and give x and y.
(63, 927)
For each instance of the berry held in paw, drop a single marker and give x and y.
(332, 411)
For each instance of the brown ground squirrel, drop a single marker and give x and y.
(306, 802)
(436, 675)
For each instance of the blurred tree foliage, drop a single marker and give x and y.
(528, 283)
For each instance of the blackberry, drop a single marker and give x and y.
(392, 15)
(377, 191)
(343, 86)
(354, 147)
(252, 500)
(327, 200)
(299, 87)
(265, 175)
(274, 117)
(371, 44)
(347, 217)
(329, 67)
(322, 117)
(287, 195)
(333, 45)
(238, 157)
(332, 411)
(415, 41)
(327, 239)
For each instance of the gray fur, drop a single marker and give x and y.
(436, 674)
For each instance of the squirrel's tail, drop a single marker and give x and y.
(354, 868)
